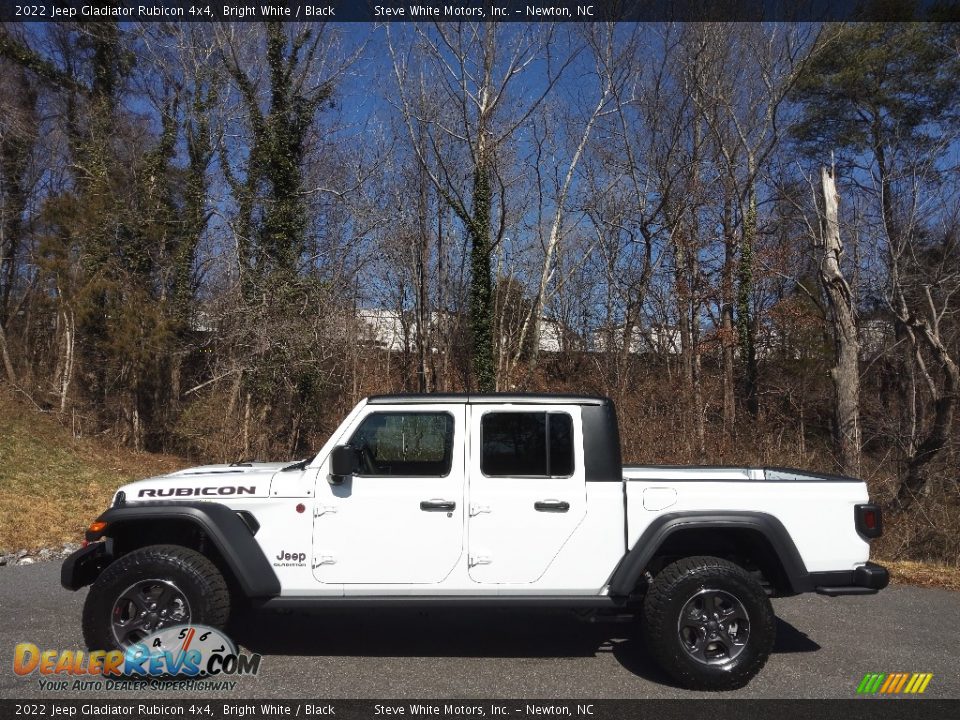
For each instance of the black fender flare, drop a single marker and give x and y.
(229, 533)
(633, 565)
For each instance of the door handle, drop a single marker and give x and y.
(551, 505)
(438, 505)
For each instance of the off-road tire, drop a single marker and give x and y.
(669, 593)
(195, 576)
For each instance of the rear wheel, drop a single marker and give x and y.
(149, 589)
(708, 623)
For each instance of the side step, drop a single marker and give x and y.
(442, 601)
(845, 590)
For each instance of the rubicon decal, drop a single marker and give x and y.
(894, 683)
(198, 491)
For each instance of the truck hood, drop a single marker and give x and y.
(207, 482)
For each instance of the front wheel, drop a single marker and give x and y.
(149, 589)
(708, 623)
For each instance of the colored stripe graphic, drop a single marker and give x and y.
(894, 683)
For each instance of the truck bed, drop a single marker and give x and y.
(817, 510)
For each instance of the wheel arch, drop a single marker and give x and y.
(758, 537)
(211, 528)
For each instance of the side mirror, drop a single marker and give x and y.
(343, 460)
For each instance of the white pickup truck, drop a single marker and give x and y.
(471, 500)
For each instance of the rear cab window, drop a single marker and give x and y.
(526, 444)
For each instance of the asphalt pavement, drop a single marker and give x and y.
(824, 647)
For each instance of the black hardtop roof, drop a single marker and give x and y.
(479, 398)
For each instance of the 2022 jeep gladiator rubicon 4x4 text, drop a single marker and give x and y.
(470, 500)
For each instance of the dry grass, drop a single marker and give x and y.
(52, 484)
(925, 574)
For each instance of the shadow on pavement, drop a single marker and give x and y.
(791, 640)
(461, 633)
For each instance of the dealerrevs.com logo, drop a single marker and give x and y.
(191, 657)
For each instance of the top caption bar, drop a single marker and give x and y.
(477, 10)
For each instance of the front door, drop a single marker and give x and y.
(527, 491)
(399, 518)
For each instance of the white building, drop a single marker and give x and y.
(656, 339)
(384, 329)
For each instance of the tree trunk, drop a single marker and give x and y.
(728, 334)
(421, 263)
(686, 271)
(481, 286)
(67, 359)
(441, 333)
(943, 410)
(622, 369)
(4, 353)
(846, 372)
(944, 397)
(745, 323)
(245, 443)
(176, 370)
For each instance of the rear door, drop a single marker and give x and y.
(527, 490)
(399, 518)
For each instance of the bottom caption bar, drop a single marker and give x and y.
(200, 708)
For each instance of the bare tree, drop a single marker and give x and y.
(924, 288)
(741, 78)
(607, 74)
(846, 371)
(461, 94)
(18, 139)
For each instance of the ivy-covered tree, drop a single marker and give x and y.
(268, 189)
(276, 345)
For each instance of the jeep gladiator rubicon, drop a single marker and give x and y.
(483, 500)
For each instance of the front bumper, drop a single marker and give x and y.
(866, 579)
(83, 566)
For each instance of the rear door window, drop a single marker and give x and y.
(526, 444)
